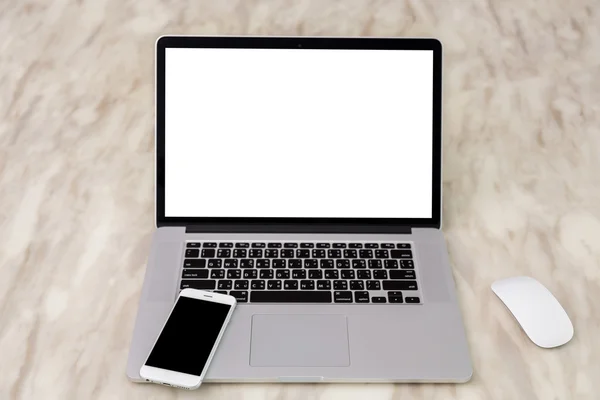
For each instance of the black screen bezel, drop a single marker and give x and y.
(315, 225)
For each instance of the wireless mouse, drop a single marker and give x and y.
(538, 312)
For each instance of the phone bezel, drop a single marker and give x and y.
(179, 379)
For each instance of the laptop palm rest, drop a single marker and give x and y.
(299, 341)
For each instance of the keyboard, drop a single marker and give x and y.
(303, 272)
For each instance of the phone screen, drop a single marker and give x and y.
(189, 335)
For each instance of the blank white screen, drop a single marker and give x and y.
(298, 133)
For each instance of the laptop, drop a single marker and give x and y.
(303, 177)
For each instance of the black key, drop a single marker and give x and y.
(400, 285)
(378, 300)
(323, 285)
(195, 274)
(226, 245)
(282, 274)
(250, 274)
(342, 263)
(315, 274)
(373, 285)
(200, 284)
(255, 253)
(381, 254)
(340, 285)
(226, 284)
(220, 291)
(247, 263)
(332, 274)
(278, 263)
(258, 245)
(403, 245)
(334, 253)
(266, 274)
(350, 254)
(211, 245)
(407, 264)
(391, 264)
(290, 285)
(355, 245)
(359, 264)
(357, 285)
(194, 263)
(295, 264)
(274, 245)
(318, 253)
(240, 253)
(242, 245)
(287, 253)
(290, 245)
(299, 274)
(207, 253)
(371, 245)
(230, 263)
(380, 274)
(274, 285)
(326, 263)
(395, 297)
(271, 253)
(323, 245)
(342, 297)
(217, 274)
(241, 284)
(363, 274)
(412, 299)
(339, 245)
(307, 245)
(240, 296)
(361, 297)
(387, 245)
(307, 285)
(290, 297)
(257, 285)
(347, 274)
(365, 253)
(401, 253)
(402, 275)
(302, 253)
(309, 263)
(263, 263)
(193, 253)
(193, 244)
(215, 263)
(375, 264)
(234, 274)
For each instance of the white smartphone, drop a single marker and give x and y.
(196, 314)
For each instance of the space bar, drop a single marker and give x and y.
(260, 296)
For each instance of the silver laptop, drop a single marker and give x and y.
(303, 177)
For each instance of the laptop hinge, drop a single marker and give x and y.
(287, 228)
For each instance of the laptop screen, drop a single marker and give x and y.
(298, 133)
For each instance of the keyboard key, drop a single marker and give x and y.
(194, 263)
(262, 263)
(342, 297)
(387, 245)
(302, 253)
(334, 253)
(403, 245)
(380, 274)
(307, 285)
(211, 245)
(339, 245)
(217, 274)
(378, 300)
(275, 245)
(250, 274)
(342, 263)
(359, 264)
(407, 264)
(295, 264)
(271, 253)
(266, 274)
(207, 253)
(215, 263)
(258, 245)
(257, 285)
(299, 274)
(309, 263)
(371, 245)
(234, 274)
(220, 291)
(318, 253)
(363, 274)
(195, 274)
(355, 245)
(255, 253)
(375, 264)
(400, 285)
(242, 245)
(402, 274)
(307, 245)
(340, 285)
(331, 274)
(391, 264)
(373, 285)
(323, 285)
(412, 299)
(240, 253)
(323, 245)
(287, 253)
(290, 285)
(290, 245)
(395, 297)
(247, 263)
(381, 254)
(350, 254)
(241, 284)
(230, 263)
(313, 296)
(361, 297)
(240, 296)
(193, 244)
(199, 284)
(365, 253)
(315, 274)
(278, 263)
(326, 263)
(225, 284)
(226, 245)
(192, 253)
(274, 285)
(282, 274)
(347, 274)
(357, 285)
(401, 253)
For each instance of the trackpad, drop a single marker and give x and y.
(299, 341)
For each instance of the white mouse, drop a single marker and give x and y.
(538, 312)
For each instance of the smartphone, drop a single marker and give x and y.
(196, 314)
